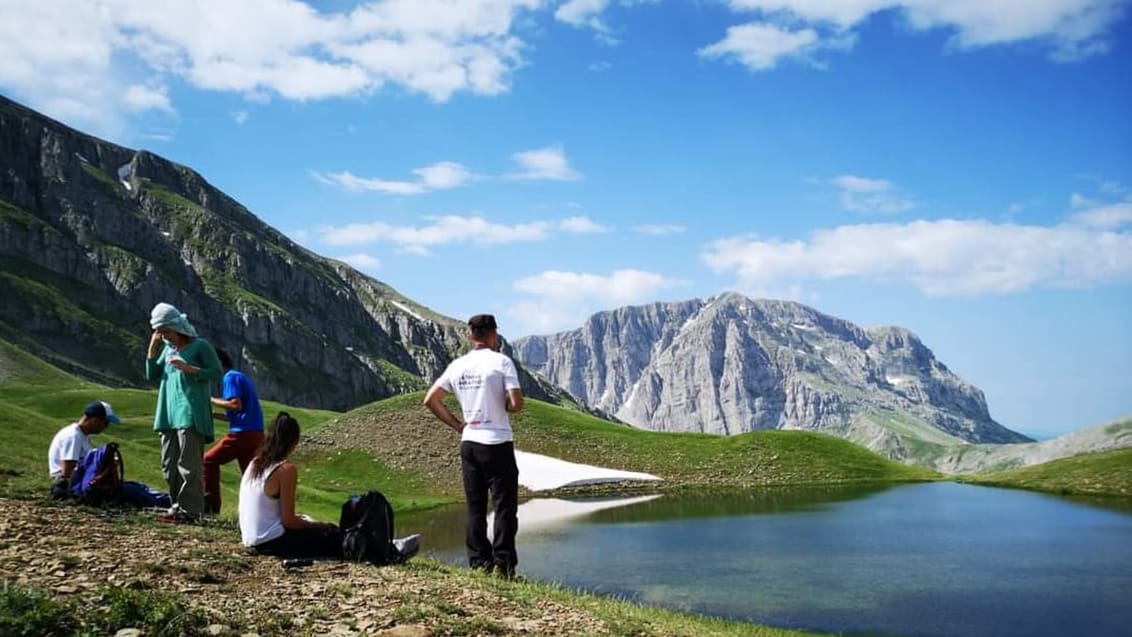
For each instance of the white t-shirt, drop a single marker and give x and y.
(70, 443)
(481, 379)
(261, 516)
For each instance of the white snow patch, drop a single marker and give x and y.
(123, 172)
(897, 380)
(167, 234)
(632, 395)
(803, 326)
(539, 473)
(407, 309)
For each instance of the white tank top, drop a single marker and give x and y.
(261, 517)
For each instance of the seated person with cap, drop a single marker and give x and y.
(72, 442)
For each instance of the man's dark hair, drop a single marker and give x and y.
(225, 359)
(482, 324)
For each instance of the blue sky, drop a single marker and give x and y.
(962, 168)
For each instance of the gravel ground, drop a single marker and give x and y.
(70, 551)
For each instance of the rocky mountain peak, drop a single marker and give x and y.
(730, 364)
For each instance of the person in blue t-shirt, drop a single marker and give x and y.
(245, 429)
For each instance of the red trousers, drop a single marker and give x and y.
(240, 447)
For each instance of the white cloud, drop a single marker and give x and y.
(941, 258)
(240, 117)
(348, 181)
(581, 225)
(600, 67)
(75, 59)
(759, 46)
(842, 13)
(1104, 216)
(587, 14)
(548, 163)
(443, 175)
(140, 98)
(440, 176)
(1069, 29)
(581, 12)
(451, 229)
(362, 261)
(861, 194)
(659, 229)
(563, 300)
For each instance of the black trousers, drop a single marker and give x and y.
(60, 489)
(491, 467)
(313, 543)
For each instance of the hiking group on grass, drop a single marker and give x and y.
(187, 367)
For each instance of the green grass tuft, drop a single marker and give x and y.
(1108, 473)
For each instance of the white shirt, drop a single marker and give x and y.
(261, 516)
(69, 443)
(481, 379)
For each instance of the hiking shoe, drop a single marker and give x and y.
(177, 515)
(407, 546)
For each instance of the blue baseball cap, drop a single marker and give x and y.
(102, 410)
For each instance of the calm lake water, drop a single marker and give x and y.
(922, 559)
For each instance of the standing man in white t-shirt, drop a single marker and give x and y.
(487, 386)
(72, 442)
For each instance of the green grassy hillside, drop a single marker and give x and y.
(36, 400)
(402, 434)
(1105, 473)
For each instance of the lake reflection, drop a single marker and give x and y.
(921, 559)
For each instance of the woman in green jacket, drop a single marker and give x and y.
(187, 367)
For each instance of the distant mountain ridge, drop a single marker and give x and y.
(93, 234)
(730, 364)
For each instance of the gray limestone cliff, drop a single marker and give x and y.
(93, 235)
(730, 364)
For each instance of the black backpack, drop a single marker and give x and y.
(367, 530)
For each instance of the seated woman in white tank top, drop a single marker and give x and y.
(268, 522)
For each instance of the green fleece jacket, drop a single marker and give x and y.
(183, 399)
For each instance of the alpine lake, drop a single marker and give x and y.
(925, 559)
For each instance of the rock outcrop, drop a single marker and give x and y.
(730, 364)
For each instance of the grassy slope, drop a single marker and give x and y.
(1104, 473)
(401, 433)
(36, 400)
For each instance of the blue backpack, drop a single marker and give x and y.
(97, 478)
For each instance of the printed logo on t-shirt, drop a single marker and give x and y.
(469, 380)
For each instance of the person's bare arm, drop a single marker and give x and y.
(514, 400)
(69, 468)
(434, 400)
(234, 404)
(288, 476)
